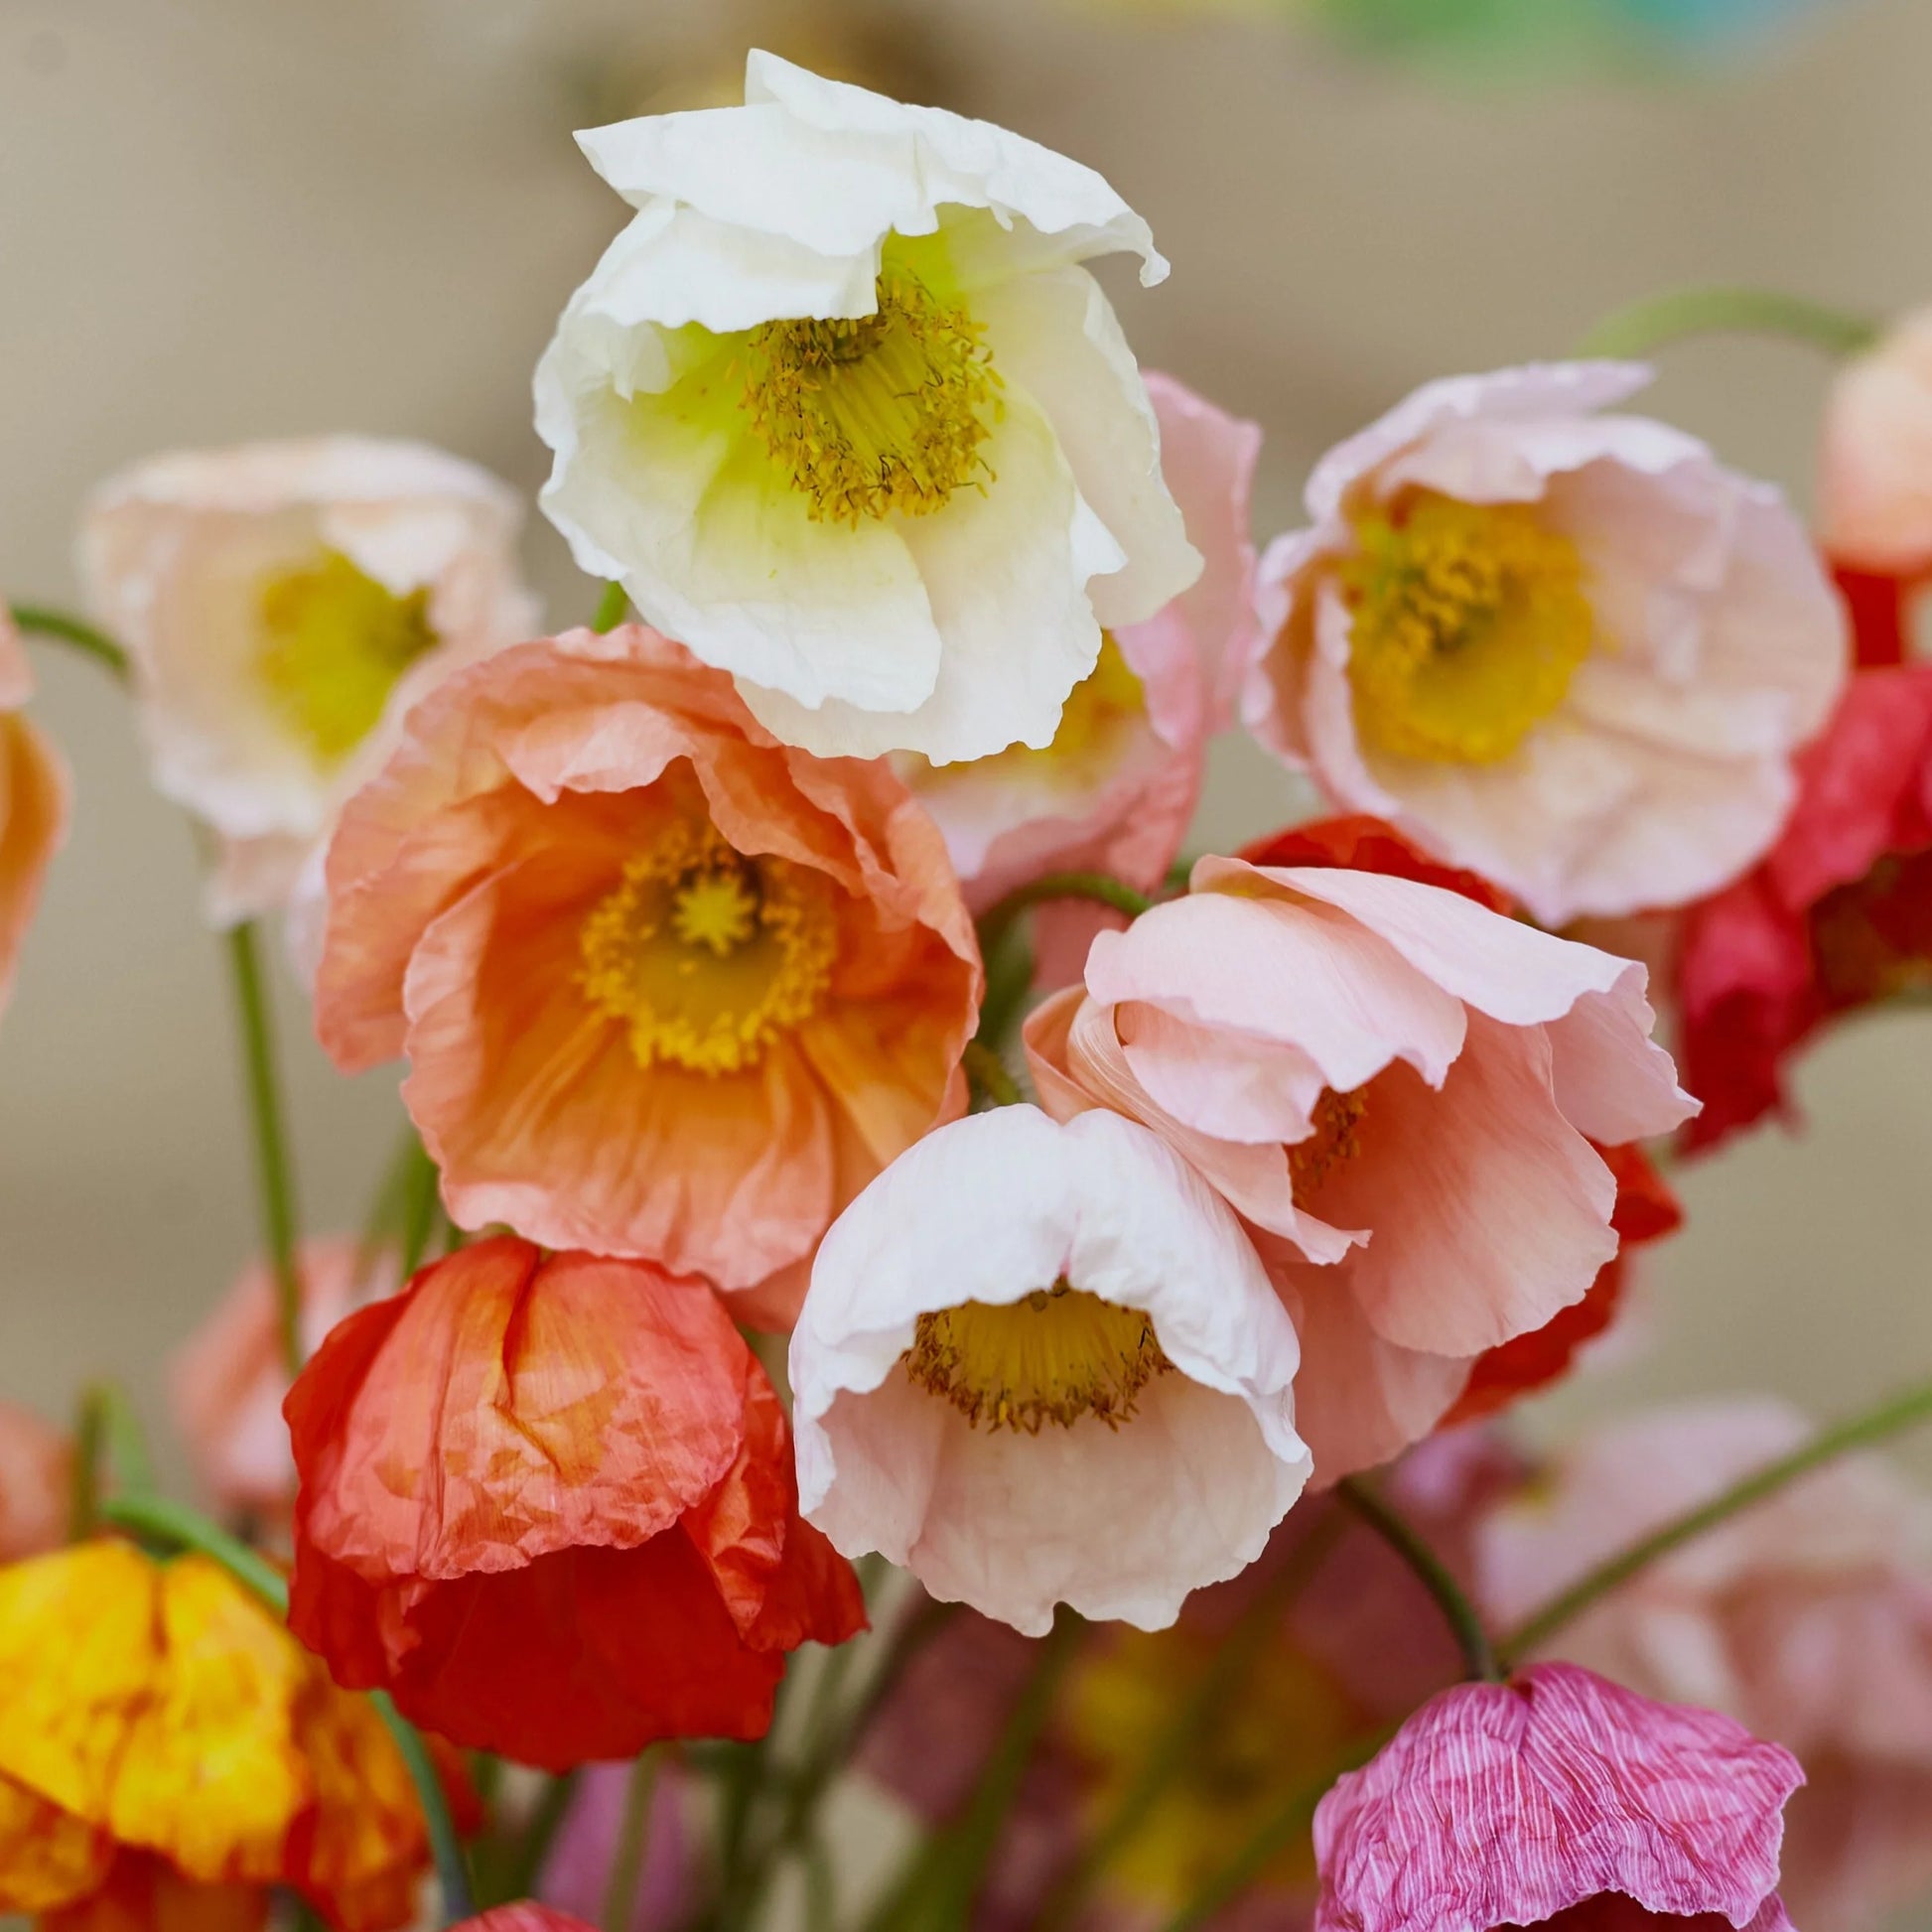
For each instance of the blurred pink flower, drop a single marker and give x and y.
(1408, 1140)
(1558, 1796)
(577, 1870)
(1569, 651)
(1808, 1619)
(1875, 481)
(36, 1462)
(1116, 788)
(227, 1380)
(282, 606)
(33, 804)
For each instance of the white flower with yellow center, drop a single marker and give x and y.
(843, 412)
(1041, 1363)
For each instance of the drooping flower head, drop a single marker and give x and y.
(167, 1746)
(1556, 1797)
(843, 412)
(229, 1379)
(1116, 788)
(1040, 1363)
(1411, 1140)
(282, 605)
(1567, 651)
(1808, 1619)
(547, 1502)
(669, 989)
(1837, 917)
(33, 804)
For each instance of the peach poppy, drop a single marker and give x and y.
(228, 1378)
(35, 1461)
(1566, 650)
(1875, 473)
(1411, 1140)
(1115, 790)
(669, 989)
(282, 606)
(1807, 1618)
(166, 1746)
(548, 1503)
(33, 804)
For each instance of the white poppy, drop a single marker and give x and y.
(1041, 1363)
(844, 414)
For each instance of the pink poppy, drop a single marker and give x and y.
(1566, 650)
(1875, 480)
(1807, 1618)
(1408, 1140)
(1556, 1797)
(33, 804)
(35, 1463)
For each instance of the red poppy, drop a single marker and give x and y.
(548, 1503)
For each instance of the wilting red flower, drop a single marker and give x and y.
(548, 1503)
(1646, 1209)
(1839, 913)
(1560, 1793)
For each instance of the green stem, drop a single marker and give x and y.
(1860, 1431)
(161, 1520)
(419, 1203)
(1100, 886)
(534, 1847)
(633, 1839)
(38, 621)
(271, 1142)
(988, 1072)
(1478, 1654)
(1661, 320)
(83, 1487)
(612, 609)
(106, 1430)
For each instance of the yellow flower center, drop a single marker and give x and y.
(705, 955)
(334, 643)
(878, 413)
(1054, 1355)
(1277, 1726)
(1469, 621)
(1336, 1139)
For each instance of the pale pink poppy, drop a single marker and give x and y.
(1569, 651)
(1408, 1137)
(35, 1471)
(227, 1380)
(1875, 481)
(1807, 1618)
(33, 804)
(1558, 1796)
(1041, 1363)
(282, 606)
(669, 989)
(1116, 788)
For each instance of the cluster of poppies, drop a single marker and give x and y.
(725, 949)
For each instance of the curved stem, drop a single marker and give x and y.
(1660, 320)
(611, 609)
(107, 1432)
(271, 1142)
(1478, 1654)
(38, 622)
(988, 1072)
(1889, 1419)
(1100, 886)
(161, 1520)
(627, 1855)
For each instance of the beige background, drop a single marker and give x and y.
(227, 219)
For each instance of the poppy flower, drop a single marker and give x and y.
(35, 797)
(282, 606)
(548, 1503)
(843, 411)
(670, 989)
(165, 1746)
(1556, 1797)
(1040, 1363)
(36, 1461)
(1566, 650)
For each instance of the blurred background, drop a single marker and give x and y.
(234, 219)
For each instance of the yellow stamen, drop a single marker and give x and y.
(708, 956)
(1336, 1139)
(879, 413)
(1054, 1355)
(1469, 621)
(334, 643)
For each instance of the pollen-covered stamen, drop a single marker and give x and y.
(334, 643)
(877, 413)
(708, 956)
(1470, 621)
(1053, 1356)
(1336, 1139)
